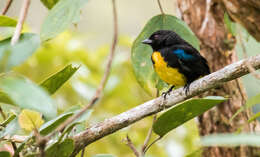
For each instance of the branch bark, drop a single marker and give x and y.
(245, 12)
(129, 117)
(217, 45)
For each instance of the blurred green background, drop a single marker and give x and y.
(88, 44)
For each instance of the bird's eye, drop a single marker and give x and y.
(156, 36)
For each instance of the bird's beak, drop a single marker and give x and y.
(147, 41)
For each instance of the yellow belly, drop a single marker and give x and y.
(169, 75)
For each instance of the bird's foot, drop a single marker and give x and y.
(164, 94)
(187, 89)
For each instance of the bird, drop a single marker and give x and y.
(176, 61)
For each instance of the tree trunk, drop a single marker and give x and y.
(205, 18)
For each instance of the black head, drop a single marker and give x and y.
(163, 38)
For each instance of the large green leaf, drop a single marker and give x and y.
(183, 112)
(49, 3)
(231, 140)
(60, 17)
(14, 55)
(49, 126)
(6, 21)
(53, 83)
(60, 149)
(141, 54)
(28, 95)
(249, 103)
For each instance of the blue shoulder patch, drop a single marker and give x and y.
(182, 55)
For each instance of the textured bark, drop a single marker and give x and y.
(217, 45)
(245, 12)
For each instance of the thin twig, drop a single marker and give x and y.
(160, 6)
(152, 144)
(19, 26)
(2, 113)
(113, 124)
(250, 67)
(14, 146)
(82, 152)
(206, 19)
(148, 137)
(8, 4)
(103, 81)
(131, 146)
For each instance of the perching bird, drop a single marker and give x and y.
(175, 61)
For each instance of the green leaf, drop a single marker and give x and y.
(51, 125)
(249, 103)
(183, 112)
(5, 154)
(63, 149)
(141, 53)
(231, 26)
(8, 120)
(231, 140)
(14, 55)
(104, 155)
(60, 17)
(53, 83)
(49, 3)
(196, 153)
(6, 21)
(28, 95)
(5, 99)
(10, 128)
(254, 117)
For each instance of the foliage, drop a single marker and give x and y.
(183, 112)
(46, 79)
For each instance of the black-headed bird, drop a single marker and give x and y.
(176, 61)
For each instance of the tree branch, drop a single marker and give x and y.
(21, 20)
(8, 4)
(137, 113)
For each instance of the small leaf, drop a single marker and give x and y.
(183, 112)
(231, 26)
(104, 155)
(141, 53)
(10, 128)
(5, 154)
(14, 55)
(249, 103)
(30, 120)
(27, 95)
(49, 3)
(63, 149)
(8, 120)
(254, 117)
(51, 125)
(53, 83)
(60, 17)
(6, 21)
(231, 140)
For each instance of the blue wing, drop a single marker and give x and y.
(181, 54)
